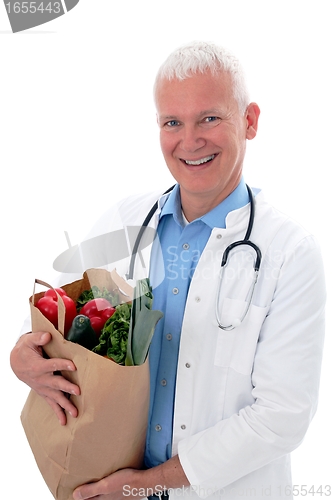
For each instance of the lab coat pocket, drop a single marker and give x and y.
(236, 348)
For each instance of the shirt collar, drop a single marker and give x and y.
(217, 216)
(173, 207)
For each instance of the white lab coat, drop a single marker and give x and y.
(244, 398)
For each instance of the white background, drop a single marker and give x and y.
(78, 131)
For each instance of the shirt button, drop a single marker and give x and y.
(168, 336)
(186, 246)
(175, 291)
(187, 365)
(183, 426)
(158, 428)
(163, 382)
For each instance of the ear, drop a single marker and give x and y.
(252, 118)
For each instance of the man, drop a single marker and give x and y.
(232, 394)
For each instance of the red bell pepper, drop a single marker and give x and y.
(98, 311)
(48, 306)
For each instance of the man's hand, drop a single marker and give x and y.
(28, 364)
(111, 487)
(135, 484)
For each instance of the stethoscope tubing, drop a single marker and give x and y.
(245, 241)
(237, 244)
(145, 223)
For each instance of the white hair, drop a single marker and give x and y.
(201, 57)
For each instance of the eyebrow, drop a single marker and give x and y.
(206, 112)
(210, 112)
(167, 117)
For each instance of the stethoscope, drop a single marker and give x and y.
(225, 256)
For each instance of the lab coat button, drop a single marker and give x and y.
(197, 299)
(219, 236)
(158, 428)
(183, 427)
(187, 365)
(175, 291)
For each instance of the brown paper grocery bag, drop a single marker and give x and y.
(109, 433)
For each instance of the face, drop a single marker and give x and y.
(203, 136)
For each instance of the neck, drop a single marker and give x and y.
(195, 205)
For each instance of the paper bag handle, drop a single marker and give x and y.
(61, 305)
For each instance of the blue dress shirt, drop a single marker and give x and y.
(181, 245)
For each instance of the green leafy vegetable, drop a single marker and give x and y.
(96, 293)
(114, 336)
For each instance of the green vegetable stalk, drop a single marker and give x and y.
(143, 322)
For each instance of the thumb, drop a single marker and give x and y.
(43, 338)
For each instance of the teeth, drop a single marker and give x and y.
(199, 162)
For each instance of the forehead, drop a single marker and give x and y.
(194, 94)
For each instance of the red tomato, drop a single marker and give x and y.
(107, 313)
(98, 311)
(97, 324)
(94, 307)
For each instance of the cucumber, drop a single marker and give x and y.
(81, 332)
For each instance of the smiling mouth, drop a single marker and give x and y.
(201, 161)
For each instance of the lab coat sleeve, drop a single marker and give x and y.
(285, 382)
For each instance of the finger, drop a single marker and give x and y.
(31, 367)
(27, 356)
(40, 338)
(49, 372)
(60, 414)
(62, 401)
(87, 491)
(60, 406)
(57, 388)
(59, 365)
(54, 376)
(36, 339)
(60, 383)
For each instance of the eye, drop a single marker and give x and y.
(209, 119)
(172, 123)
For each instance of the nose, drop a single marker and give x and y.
(191, 139)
